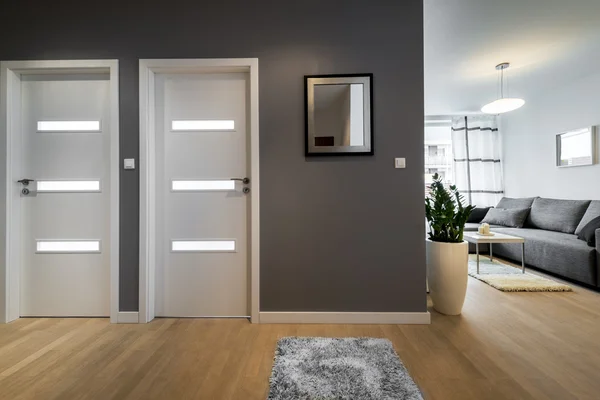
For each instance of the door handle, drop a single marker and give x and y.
(245, 181)
(25, 181)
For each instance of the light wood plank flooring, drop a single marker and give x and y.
(504, 346)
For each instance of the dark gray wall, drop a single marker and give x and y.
(337, 234)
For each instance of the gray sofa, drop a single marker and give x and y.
(550, 234)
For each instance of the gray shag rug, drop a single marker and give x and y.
(346, 368)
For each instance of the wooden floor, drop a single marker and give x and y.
(504, 346)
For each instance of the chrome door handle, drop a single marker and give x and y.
(25, 181)
(245, 181)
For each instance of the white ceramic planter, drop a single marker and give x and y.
(447, 272)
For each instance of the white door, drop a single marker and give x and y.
(65, 218)
(201, 221)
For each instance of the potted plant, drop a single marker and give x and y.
(447, 253)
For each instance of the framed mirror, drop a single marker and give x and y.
(339, 114)
(576, 148)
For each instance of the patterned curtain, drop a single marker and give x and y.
(476, 145)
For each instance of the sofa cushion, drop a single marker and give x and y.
(592, 212)
(508, 202)
(514, 217)
(588, 233)
(478, 214)
(556, 215)
(556, 252)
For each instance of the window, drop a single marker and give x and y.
(438, 152)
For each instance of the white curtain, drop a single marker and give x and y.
(476, 146)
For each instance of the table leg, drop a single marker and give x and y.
(491, 253)
(477, 251)
(523, 257)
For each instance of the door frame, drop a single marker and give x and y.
(10, 146)
(148, 70)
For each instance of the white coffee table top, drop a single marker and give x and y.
(474, 237)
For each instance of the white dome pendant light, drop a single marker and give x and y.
(502, 105)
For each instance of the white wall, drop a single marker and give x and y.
(529, 143)
(356, 115)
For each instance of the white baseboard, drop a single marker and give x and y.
(423, 318)
(127, 317)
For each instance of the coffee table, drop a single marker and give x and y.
(476, 238)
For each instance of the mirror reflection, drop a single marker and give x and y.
(338, 114)
(339, 119)
(575, 148)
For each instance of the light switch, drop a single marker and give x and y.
(129, 163)
(400, 162)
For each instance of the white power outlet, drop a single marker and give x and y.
(400, 162)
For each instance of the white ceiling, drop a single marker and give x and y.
(548, 43)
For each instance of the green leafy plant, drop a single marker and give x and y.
(445, 212)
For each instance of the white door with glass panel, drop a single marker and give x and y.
(201, 195)
(65, 199)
